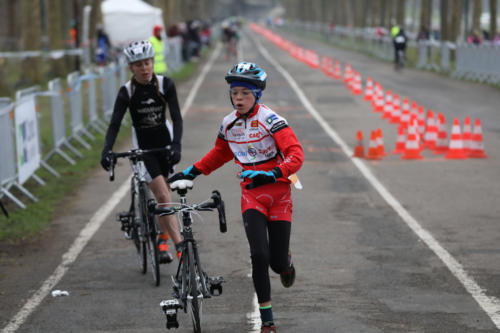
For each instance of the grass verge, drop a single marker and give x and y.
(23, 224)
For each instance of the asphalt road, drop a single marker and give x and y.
(386, 246)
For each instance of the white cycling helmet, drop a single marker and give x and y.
(140, 50)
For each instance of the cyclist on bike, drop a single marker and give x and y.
(146, 96)
(230, 37)
(399, 41)
(262, 143)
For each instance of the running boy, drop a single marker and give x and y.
(263, 144)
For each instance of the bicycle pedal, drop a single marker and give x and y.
(170, 308)
(123, 217)
(216, 285)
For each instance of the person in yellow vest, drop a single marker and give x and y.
(160, 66)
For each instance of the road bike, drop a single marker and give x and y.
(191, 285)
(400, 60)
(138, 223)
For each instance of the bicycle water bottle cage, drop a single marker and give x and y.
(182, 186)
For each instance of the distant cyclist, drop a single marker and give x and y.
(263, 144)
(147, 96)
(230, 38)
(399, 42)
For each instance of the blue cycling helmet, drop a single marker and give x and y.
(247, 72)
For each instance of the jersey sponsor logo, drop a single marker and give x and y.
(278, 126)
(239, 123)
(255, 135)
(254, 123)
(240, 153)
(148, 101)
(237, 132)
(271, 118)
(252, 152)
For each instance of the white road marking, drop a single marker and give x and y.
(68, 258)
(199, 80)
(92, 226)
(490, 304)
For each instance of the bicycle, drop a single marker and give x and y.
(191, 284)
(138, 223)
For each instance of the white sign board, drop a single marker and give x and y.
(28, 152)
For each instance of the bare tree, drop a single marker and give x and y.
(425, 13)
(400, 12)
(493, 18)
(56, 36)
(30, 40)
(456, 10)
(476, 15)
(443, 11)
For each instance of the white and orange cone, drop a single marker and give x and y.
(456, 147)
(380, 143)
(442, 136)
(388, 105)
(477, 147)
(359, 150)
(369, 89)
(401, 141)
(357, 89)
(412, 147)
(405, 113)
(337, 73)
(431, 131)
(373, 148)
(421, 120)
(396, 110)
(467, 135)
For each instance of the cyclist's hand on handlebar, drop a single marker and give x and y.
(260, 177)
(189, 173)
(106, 159)
(174, 154)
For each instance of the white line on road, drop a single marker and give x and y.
(68, 258)
(91, 227)
(491, 305)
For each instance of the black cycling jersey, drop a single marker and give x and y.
(147, 110)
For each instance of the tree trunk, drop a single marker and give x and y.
(456, 10)
(383, 5)
(476, 15)
(493, 18)
(400, 12)
(443, 11)
(425, 17)
(388, 14)
(30, 41)
(56, 37)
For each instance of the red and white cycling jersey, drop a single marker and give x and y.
(260, 140)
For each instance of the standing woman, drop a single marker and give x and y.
(146, 96)
(266, 148)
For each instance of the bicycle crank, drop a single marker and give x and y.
(170, 308)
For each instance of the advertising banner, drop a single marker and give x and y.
(28, 152)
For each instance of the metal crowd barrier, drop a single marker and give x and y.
(8, 167)
(481, 63)
(76, 111)
(173, 56)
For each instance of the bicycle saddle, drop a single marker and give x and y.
(182, 184)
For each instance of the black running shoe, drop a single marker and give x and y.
(288, 276)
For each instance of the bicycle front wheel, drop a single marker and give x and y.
(150, 235)
(140, 244)
(194, 292)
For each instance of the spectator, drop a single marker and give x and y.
(160, 66)
(103, 47)
(474, 38)
(496, 39)
(424, 33)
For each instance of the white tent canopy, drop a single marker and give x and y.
(129, 20)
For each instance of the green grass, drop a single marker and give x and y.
(24, 224)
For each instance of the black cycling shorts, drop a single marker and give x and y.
(157, 164)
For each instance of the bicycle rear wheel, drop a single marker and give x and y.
(196, 303)
(151, 236)
(140, 244)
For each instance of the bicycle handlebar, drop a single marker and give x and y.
(215, 202)
(132, 154)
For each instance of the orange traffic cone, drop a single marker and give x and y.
(380, 143)
(369, 89)
(347, 73)
(477, 148)
(396, 110)
(357, 89)
(456, 147)
(405, 114)
(431, 131)
(337, 74)
(373, 148)
(359, 150)
(388, 105)
(442, 136)
(412, 149)
(401, 140)
(467, 135)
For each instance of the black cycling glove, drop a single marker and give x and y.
(189, 173)
(106, 157)
(175, 154)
